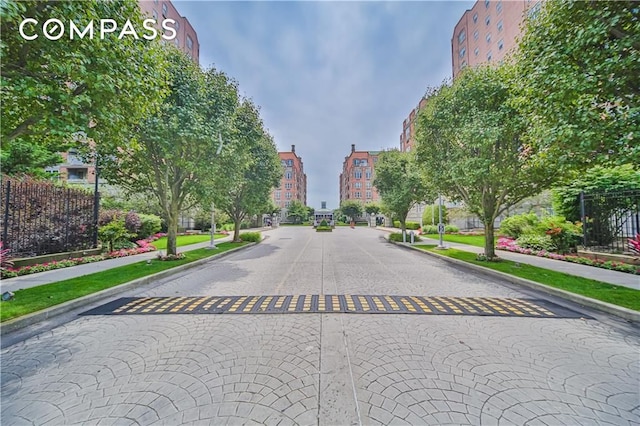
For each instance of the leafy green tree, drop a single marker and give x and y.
(372, 208)
(351, 209)
(566, 199)
(470, 143)
(400, 183)
(297, 211)
(55, 89)
(579, 81)
(249, 168)
(172, 153)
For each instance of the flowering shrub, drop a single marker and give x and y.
(58, 264)
(177, 256)
(4, 258)
(634, 244)
(509, 244)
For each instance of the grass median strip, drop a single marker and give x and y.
(45, 296)
(616, 295)
(185, 240)
(472, 240)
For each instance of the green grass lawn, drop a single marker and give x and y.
(616, 295)
(472, 240)
(41, 297)
(185, 240)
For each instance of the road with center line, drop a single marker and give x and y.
(333, 328)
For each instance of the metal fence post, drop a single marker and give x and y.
(5, 225)
(583, 219)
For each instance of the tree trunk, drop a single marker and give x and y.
(489, 248)
(172, 230)
(236, 231)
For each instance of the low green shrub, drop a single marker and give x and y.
(519, 224)
(324, 229)
(451, 228)
(430, 229)
(113, 233)
(564, 235)
(150, 225)
(324, 223)
(536, 242)
(409, 225)
(251, 237)
(397, 237)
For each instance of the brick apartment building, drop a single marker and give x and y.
(488, 31)
(293, 184)
(485, 33)
(186, 38)
(73, 169)
(356, 179)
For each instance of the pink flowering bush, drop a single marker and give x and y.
(11, 272)
(509, 244)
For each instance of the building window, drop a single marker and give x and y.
(463, 65)
(475, 18)
(155, 15)
(189, 43)
(476, 51)
(177, 25)
(369, 194)
(287, 204)
(277, 195)
(486, 4)
(500, 44)
(476, 34)
(488, 37)
(358, 194)
(288, 195)
(367, 173)
(357, 185)
(368, 185)
(164, 10)
(287, 175)
(487, 20)
(499, 25)
(462, 52)
(357, 173)
(288, 185)
(290, 163)
(499, 7)
(534, 11)
(177, 41)
(489, 56)
(462, 36)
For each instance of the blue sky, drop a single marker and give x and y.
(329, 74)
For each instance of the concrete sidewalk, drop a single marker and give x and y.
(41, 278)
(585, 271)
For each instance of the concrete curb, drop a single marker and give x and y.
(619, 311)
(30, 319)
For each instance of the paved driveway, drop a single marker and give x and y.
(325, 368)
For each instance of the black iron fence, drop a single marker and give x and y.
(609, 220)
(41, 218)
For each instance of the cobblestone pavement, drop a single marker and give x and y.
(327, 369)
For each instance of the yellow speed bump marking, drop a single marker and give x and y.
(320, 303)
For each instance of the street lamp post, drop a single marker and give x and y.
(212, 245)
(440, 224)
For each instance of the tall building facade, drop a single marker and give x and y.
(293, 184)
(356, 179)
(488, 31)
(186, 38)
(408, 135)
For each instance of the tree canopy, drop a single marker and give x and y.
(470, 144)
(401, 183)
(171, 154)
(249, 168)
(579, 67)
(55, 89)
(351, 208)
(297, 211)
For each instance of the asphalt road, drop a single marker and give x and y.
(372, 367)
